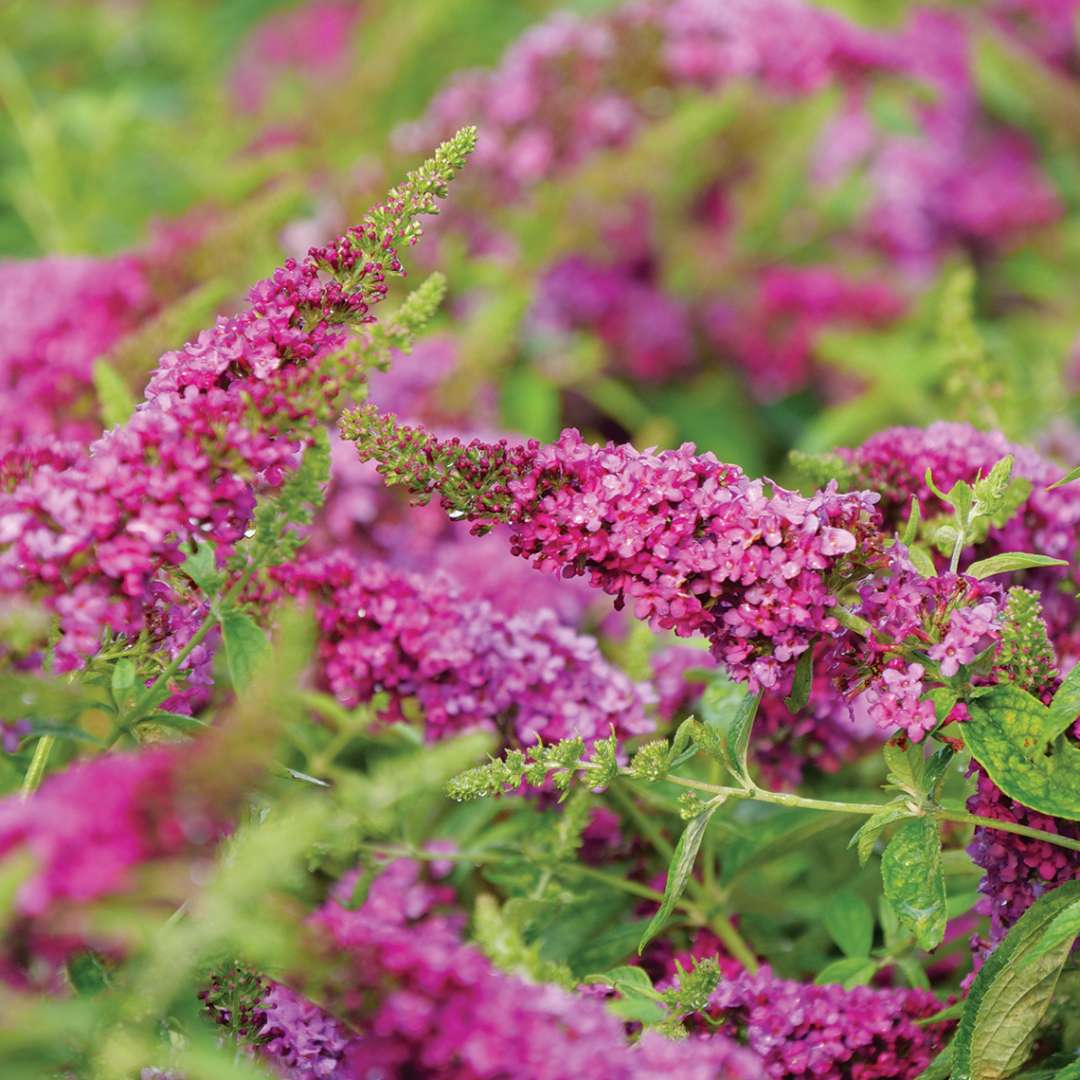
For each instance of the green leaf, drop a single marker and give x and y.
(866, 836)
(1013, 736)
(849, 972)
(1065, 927)
(906, 767)
(1068, 478)
(937, 765)
(1011, 560)
(122, 682)
(1065, 707)
(115, 399)
(922, 560)
(1010, 996)
(913, 972)
(640, 1001)
(804, 678)
(87, 974)
(177, 721)
(201, 567)
(728, 712)
(911, 529)
(913, 881)
(245, 644)
(850, 923)
(680, 868)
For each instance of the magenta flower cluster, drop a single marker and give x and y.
(467, 664)
(223, 418)
(442, 1011)
(806, 1031)
(90, 826)
(57, 316)
(693, 545)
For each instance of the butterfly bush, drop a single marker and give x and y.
(466, 663)
(223, 418)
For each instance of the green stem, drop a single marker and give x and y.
(867, 809)
(36, 770)
(965, 818)
(781, 798)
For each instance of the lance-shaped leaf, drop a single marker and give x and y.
(913, 880)
(804, 678)
(1006, 563)
(1068, 478)
(1012, 992)
(1012, 736)
(680, 868)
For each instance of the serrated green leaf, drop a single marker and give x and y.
(1065, 706)
(201, 567)
(1012, 736)
(1011, 560)
(849, 972)
(850, 924)
(1009, 997)
(680, 868)
(913, 881)
(867, 834)
(906, 767)
(245, 644)
(728, 711)
(1065, 927)
(803, 680)
(115, 399)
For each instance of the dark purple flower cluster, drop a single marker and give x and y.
(1017, 869)
(467, 664)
